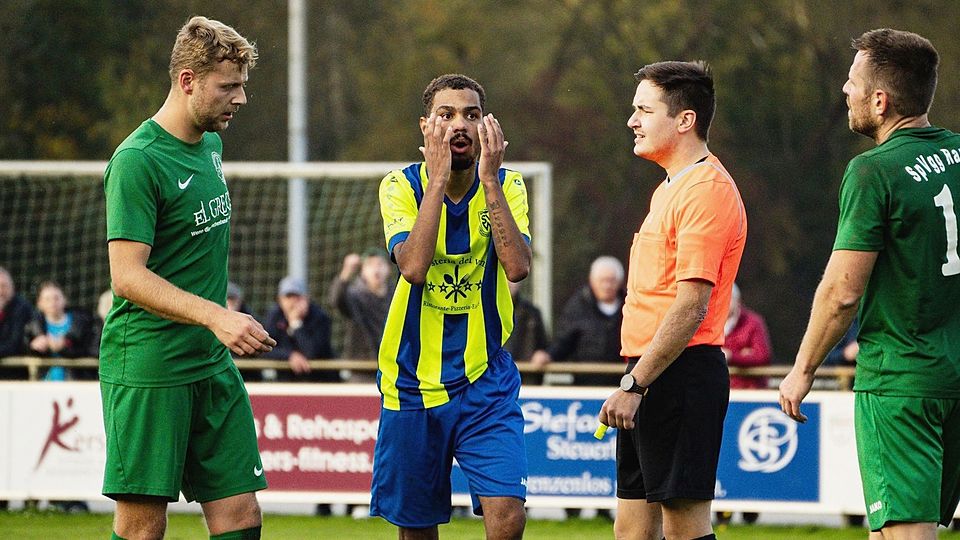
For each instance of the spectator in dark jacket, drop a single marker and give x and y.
(15, 313)
(588, 329)
(57, 332)
(361, 292)
(529, 333)
(302, 331)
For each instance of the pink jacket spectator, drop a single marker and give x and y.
(748, 345)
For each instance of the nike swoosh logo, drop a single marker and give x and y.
(257, 471)
(183, 185)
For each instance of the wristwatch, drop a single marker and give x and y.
(629, 384)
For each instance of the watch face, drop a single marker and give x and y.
(627, 382)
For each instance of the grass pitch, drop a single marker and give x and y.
(36, 525)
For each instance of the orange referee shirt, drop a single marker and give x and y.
(696, 229)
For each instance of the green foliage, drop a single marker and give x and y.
(80, 75)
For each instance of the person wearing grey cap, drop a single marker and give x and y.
(302, 331)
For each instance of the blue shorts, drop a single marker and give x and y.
(481, 426)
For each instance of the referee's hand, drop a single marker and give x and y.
(620, 409)
(241, 333)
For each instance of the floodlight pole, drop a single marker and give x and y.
(297, 193)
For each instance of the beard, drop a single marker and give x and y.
(461, 162)
(861, 122)
(208, 120)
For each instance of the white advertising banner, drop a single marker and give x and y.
(53, 441)
(317, 444)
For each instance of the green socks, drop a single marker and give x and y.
(252, 533)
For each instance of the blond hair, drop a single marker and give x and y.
(202, 43)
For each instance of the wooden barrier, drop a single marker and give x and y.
(843, 375)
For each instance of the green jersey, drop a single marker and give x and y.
(900, 199)
(172, 196)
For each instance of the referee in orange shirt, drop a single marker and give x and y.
(672, 401)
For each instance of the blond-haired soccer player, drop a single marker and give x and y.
(177, 416)
(683, 263)
(895, 257)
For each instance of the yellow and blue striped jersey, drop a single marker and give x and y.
(439, 336)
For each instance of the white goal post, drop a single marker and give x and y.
(538, 176)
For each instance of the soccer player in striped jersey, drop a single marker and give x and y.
(456, 225)
(895, 257)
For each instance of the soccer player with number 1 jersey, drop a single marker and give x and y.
(895, 258)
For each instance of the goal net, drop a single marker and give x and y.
(52, 225)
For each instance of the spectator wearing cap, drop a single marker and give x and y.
(302, 331)
(236, 301)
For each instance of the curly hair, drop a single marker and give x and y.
(452, 81)
(202, 43)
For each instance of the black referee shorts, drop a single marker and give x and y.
(673, 450)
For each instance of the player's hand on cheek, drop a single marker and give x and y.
(436, 149)
(492, 148)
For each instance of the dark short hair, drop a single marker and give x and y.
(453, 81)
(685, 86)
(902, 64)
(48, 284)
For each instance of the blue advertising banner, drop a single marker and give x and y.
(767, 456)
(564, 458)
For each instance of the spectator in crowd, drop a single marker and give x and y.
(235, 299)
(845, 352)
(104, 303)
(746, 342)
(58, 332)
(529, 333)
(235, 302)
(588, 329)
(15, 313)
(361, 292)
(302, 331)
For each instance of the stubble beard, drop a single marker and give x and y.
(461, 162)
(860, 122)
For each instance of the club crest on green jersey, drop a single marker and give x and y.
(218, 164)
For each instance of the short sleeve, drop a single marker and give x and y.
(862, 208)
(515, 192)
(709, 219)
(132, 197)
(398, 207)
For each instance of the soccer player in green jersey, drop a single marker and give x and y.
(895, 257)
(176, 413)
(456, 225)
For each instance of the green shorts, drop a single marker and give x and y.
(909, 453)
(198, 438)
